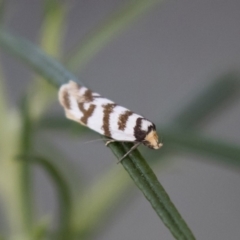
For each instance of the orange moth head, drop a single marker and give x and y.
(151, 140)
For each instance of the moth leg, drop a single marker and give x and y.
(109, 141)
(128, 152)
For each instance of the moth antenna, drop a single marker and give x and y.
(96, 140)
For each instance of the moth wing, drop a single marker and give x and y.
(70, 95)
(122, 124)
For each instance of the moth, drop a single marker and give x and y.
(104, 116)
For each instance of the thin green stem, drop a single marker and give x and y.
(147, 182)
(222, 90)
(173, 139)
(145, 179)
(25, 174)
(64, 196)
(34, 57)
(2, 10)
(191, 141)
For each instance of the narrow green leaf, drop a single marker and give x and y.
(53, 27)
(52, 31)
(60, 159)
(64, 196)
(42, 93)
(145, 179)
(2, 10)
(3, 102)
(216, 95)
(24, 170)
(109, 191)
(190, 141)
(34, 57)
(147, 182)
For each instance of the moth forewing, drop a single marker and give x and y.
(106, 117)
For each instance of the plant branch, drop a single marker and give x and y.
(191, 141)
(24, 170)
(147, 182)
(65, 201)
(134, 164)
(34, 57)
(216, 95)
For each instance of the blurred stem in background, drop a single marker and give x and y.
(41, 92)
(2, 8)
(121, 19)
(221, 91)
(33, 105)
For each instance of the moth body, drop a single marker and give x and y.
(106, 117)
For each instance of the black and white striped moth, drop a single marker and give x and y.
(106, 117)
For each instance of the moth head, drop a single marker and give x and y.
(151, 138)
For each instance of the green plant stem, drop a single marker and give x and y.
(64, 196)
(2, 10)
(24, 179)
(174, 138)
(216, 95)
(147, 182)
(53, 27)
(34, 57)
(191, 141)
(227, 87)
(152, 190)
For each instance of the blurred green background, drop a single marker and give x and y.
(176, 63)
